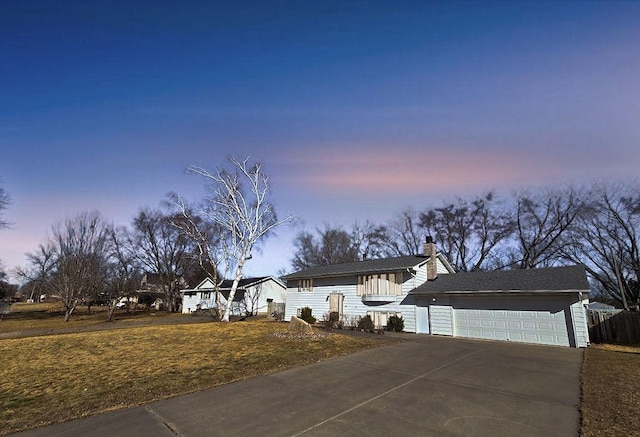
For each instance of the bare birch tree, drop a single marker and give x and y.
(238, 205)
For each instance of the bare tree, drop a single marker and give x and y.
(4, 204)
(70, 264)
(541, 220)
(333, 245)
(252, 299)
(123, 274)
(162, 249)
(402, 235)
(606, 239)
(367, 238)
(238, 205)
(468, 232)
(206, 236)
(41, 266)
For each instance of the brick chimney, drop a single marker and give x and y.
(429, 249)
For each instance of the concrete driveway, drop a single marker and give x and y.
(425, 386)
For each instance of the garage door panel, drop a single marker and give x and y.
(511, 319)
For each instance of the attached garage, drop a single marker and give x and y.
(520, 319)
(541, 306)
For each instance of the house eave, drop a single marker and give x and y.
(496, 292)
(356, 272)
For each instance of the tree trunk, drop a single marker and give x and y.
(234, 287)
(110, 309)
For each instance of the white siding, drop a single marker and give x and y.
(269, 289)
(441, 318)
(189, 303)
(353, 306)
(420, 276)
(441, 269)
(581, 329)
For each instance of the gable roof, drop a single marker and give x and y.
(360, 267)
(248, 282)
(207, 284)
(555, 279)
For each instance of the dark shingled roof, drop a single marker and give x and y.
(244, 282)
(360, 267)
(569, 278)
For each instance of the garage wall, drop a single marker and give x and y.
(441, 314)
(581, 329)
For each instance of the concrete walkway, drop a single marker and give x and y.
(426, 386)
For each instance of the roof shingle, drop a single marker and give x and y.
(360, 267)
(567, 278)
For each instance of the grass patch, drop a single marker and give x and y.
(610, 391)
(48, 316)
(57, 378)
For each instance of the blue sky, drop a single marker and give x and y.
(357, 109)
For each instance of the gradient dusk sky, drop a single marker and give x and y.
(357, 109)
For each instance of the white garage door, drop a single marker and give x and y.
(525, 320)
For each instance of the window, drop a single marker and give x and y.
(206, 295)
(380, 318)
(384, 284)
(305, 284)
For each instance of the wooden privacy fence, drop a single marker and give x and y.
(275, 307)
(614, 326)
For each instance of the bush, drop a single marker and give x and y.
(332, 320)
(366, 324)
(395, 323)
(305, 315)
(278, 316)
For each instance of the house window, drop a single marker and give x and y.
(380, 318)
(384, 284)
(206, 295)
(305, 284)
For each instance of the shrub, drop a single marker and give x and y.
(395, 323)
(331, 320)
(366, 324)
(278, 316)
(305, 314)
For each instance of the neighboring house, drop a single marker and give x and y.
(600, 306)
(544, 306)
(152, 283)
(253, 296)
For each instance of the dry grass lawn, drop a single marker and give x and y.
(25, 317)
(61, 377)
(611, 391)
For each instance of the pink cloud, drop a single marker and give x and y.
(434, 169)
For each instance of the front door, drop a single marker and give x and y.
(422, 320)
(335, 303)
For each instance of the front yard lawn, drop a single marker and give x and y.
(55, 378)
(28, 318)
(610, 391)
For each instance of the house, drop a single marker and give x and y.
(253, 296)
(600, 306)
(543, 306)
(153, 287)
